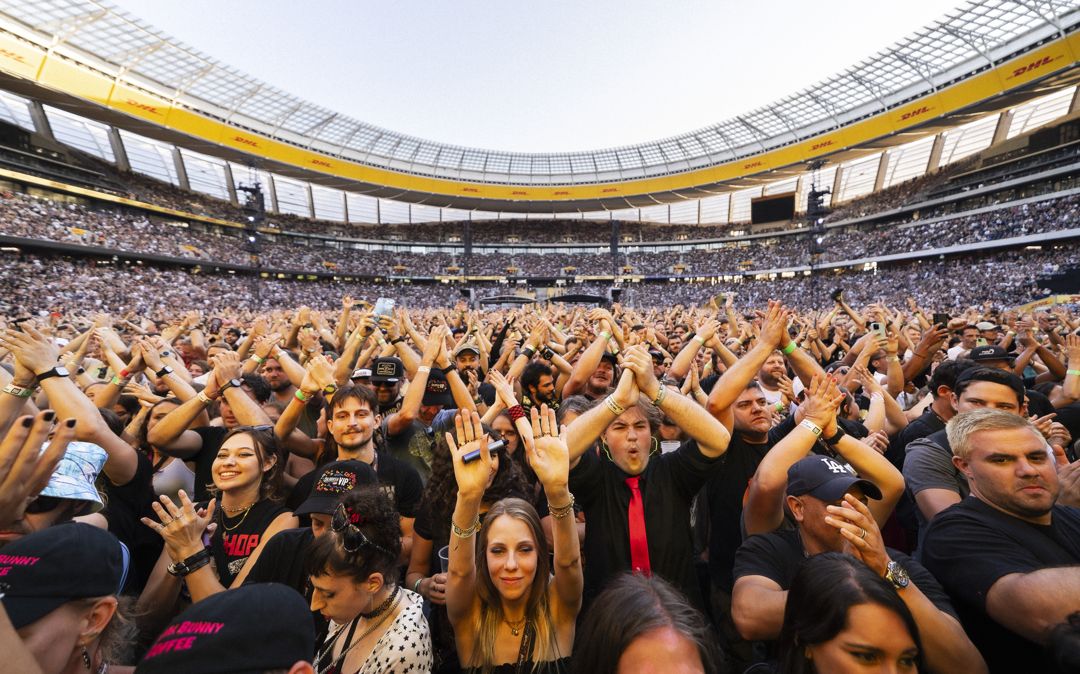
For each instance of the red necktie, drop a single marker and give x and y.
(639, 542)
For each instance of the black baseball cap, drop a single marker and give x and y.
(988, 352)
(827, 479)
(249, 630)
(46, 569)
(437, 391)
(387, 369)
(611, 358)
(334, 480)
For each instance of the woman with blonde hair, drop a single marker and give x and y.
(511, 608)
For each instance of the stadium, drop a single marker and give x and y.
(248, 303)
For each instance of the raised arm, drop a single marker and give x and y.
(735, 380)
(584, 430)
(462, 599)
(414, 395)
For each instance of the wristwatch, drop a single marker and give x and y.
(897, 575)
(58, 371)
(192, 563)
(163, 371)
(836, 437)
(232, 383)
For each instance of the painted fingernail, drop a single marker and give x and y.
(70, 423)
(28, 422)
(49, 415)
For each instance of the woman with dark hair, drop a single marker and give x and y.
(353, 574)
(511, 608)
(245, 513)
(170, 473)
(431, 533)
(641, 620)
(842, 617)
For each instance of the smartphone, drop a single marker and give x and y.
(878, 329)
(215, 325)
(475, 454)
(942, 320)
(981, 341)
(384, 306)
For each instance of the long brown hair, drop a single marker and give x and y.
(265, 445)
(537, 608)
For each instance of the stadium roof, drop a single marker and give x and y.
(972, 38)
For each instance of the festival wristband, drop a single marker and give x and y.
(790, 348)
(1072, 372)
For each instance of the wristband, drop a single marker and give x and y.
(423, 368)
(124, 374)
(117, 381)
(895, 359)
(302, 397)
(19, 392)
(330, 389)
(416, 585)
(166, 370)
(812, 427)
(606, 335)
(1072, 372)
(790, 348)
(204, 398)
(699, 339)
(258, 360)
(660, 395)
(398, 340)
(615, 407)
(192, 563)
(448, 369)
(779, 405)
(836, 437)
(528, 352)
(516, 412)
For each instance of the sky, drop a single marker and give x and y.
(552, 76)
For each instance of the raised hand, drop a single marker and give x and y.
(34, 350)
(774, 325)
(472, 477)
(637, 360)
(548, 454)
(856, 524)
(823, 397)
(182, 526)
(504, 388)
(24, 468)
(626, 393)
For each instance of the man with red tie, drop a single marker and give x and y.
(637, 500)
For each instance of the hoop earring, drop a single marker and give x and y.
(655, 446)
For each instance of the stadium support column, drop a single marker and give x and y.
(836, 184)
(615, 232)
(1075, 105)
(882, 168)
(41, 120)
(181, 170)
(118, 150)
(467, 240)
(935, 153)
(1001, 131)
(230, 184)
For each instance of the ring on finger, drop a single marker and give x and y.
(862, 533)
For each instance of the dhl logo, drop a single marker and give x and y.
(752, 164)
(470, 189)
(152, 109)
(320, 162)
(914, 113)
(518, 193)
(608, 190)
(12, 55)
(245, 141)
(1046, 60)
(562, 193)
(818, 146)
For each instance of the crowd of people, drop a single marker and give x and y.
(80, 225)
(730, 484)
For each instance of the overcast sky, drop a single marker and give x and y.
(539, 76)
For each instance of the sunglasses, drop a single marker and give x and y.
(43, 504)
(352, 539)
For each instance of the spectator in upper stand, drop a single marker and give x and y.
(1009, 553)
(969, 338)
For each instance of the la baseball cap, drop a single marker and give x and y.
(46, 569)
(827, 479)
(335, 479)
(249, 630)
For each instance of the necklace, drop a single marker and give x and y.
(515, 626)
(383, 606)
(240, 509)
(233, 527)
(386, 613)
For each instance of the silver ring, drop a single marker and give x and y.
(862, 533)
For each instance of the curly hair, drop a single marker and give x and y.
(380, 525)
(440, 495)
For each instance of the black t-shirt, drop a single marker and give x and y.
(212, 437)
(237, 537)
(924, 426)
(778, 555)
(1069, 416)
(972, 545)
(124, 506)
(1038, 404)
(282, 561)
(724, 492)
(668, 487)
(398, 480)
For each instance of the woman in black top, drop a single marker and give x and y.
(218, 544)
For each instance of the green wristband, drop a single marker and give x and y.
(790, 348)
(1073, 372)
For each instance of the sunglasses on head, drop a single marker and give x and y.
(352, 539)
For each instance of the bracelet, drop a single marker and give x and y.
(528, 352)
(465, 533)
(615, 407)
(560, 512)
(423, 368)
(837, 436)
(448, 369)
(255, 357)
(303, 397)
(124, 374)
(894, 359)
(779, 405)
(1072, 372)
(192, 563)
(699, 339)
(660, 395)
(790, 348)
(606, 335)
(204, 398)
(416, 585)
(812, 427)
(117, 381)
(19, 392)
(516, 412)
(398, 340)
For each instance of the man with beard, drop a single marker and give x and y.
(386, 376)
(538, 387)
(352, 419)
(594, 371)
(769, 376)
(282, 389)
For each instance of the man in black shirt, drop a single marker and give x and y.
(1009, 554)
(826, 502)
(637, 504)
(386, 377)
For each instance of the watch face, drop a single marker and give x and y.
(236, 382)
(62, 371)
